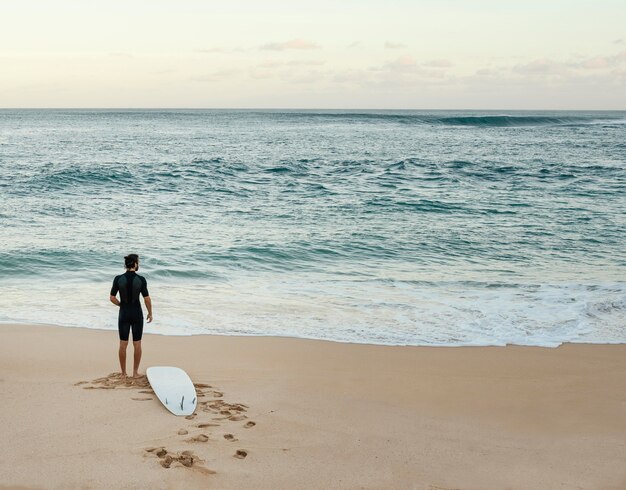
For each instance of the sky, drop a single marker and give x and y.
(352, 54)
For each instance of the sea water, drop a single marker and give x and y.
(386, 227)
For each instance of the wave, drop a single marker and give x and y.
(374, 309)
(423, 205)
(41, 262)
(504, 121)
(491, 120)
(76, 176)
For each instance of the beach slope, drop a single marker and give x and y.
(291, 413)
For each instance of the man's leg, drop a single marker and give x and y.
(122, 353)
(137, 346)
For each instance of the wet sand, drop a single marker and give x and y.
(291, 413)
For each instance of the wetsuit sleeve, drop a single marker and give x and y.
(114, 288)
(144, 287)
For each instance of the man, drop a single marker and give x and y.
(129, 285)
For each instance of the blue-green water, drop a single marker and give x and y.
(392, 227)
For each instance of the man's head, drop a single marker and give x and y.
(132, 261)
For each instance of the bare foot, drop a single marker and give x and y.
(137, 375)
(124, 376)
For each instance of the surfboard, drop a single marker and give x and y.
(173, 388)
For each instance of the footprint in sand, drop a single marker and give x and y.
(240, 454)
(187, 459)
(237, 418)
(167, 461)
(248, 425)
(192, 416)
(116, 380)
(230, 437)
(157, 449)
(183, 432)
(142, 399)
(203, 426)
(199, 438)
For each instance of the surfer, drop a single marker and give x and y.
(130, 285)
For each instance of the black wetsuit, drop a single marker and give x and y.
(129, 285)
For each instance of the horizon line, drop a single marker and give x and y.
(294, 109)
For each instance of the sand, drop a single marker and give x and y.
(293, 413)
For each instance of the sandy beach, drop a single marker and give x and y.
(291, 413)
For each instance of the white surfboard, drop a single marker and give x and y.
(173, 388)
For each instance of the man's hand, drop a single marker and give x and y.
(114, 300)
(148, 302)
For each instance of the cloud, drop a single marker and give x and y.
(547, 67)
(438, 63)
(390, 45)
(599, 62)
(409, 63)
(292, 44)
(287, 70)
(595, 63)
(486, 72)
(354, 44)
(619, 41)
(541, 66)
(408, 74)
(403, 63)
(403, 72)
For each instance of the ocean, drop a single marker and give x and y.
(385, 227)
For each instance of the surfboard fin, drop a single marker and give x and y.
(182, 401)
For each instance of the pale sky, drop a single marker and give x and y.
(396, 54)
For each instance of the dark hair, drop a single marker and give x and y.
(131, 260)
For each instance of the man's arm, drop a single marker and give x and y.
(148, 302)
(146, 298)
(114, 290)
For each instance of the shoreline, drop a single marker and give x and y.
(314, 339)
(325, 414)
